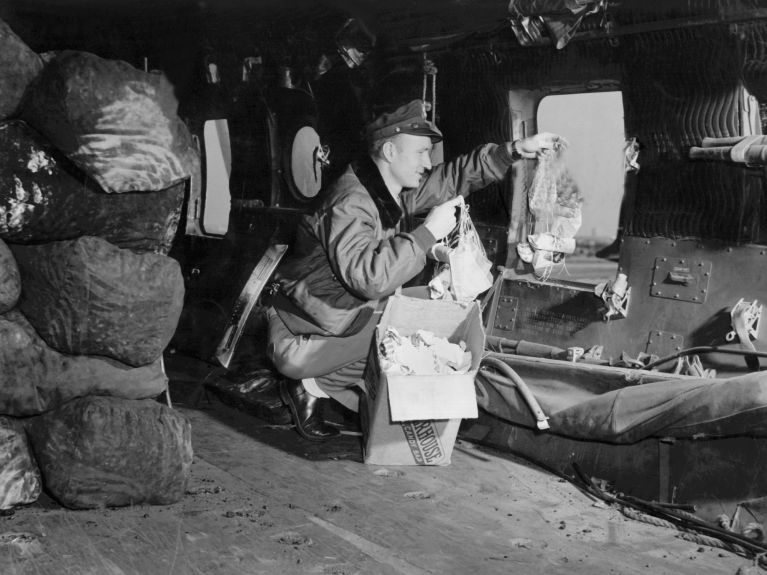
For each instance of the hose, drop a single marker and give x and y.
(514, 380)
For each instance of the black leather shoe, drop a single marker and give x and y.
(306, 412)
(253, 391)
(343, 419)
(268, 404)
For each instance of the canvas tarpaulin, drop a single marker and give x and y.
(617, 406)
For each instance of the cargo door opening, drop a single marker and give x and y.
(593, 123)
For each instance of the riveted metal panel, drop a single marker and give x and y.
(662, 343)
(683, 279)
(552, 313)
(506, 313)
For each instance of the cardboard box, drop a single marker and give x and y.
(414, 419)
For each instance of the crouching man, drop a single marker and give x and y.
(353, 252)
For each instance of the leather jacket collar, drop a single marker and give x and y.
(371, 179)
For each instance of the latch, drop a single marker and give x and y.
(745, 318)
(681, 279)
(322, 155)
(616, 296)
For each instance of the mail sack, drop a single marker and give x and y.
(19, 65)
(19, 477)
(37, 378)
(115, 122)
(44, 197)
(88, 297)
(97, 452)
(10, 281)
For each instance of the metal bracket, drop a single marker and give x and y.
(616, 296)
(322, 155)
(746, 317)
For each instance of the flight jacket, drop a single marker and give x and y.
(351, 253)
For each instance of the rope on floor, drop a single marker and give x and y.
(685, 534)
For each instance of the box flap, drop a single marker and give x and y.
(417, 397)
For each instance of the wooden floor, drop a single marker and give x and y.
(263, 500)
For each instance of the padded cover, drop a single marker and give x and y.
(44, 197)
(35, 378)
(116, 123)
(88, 297)
(617, 406)
(19, 65)
(104, 452)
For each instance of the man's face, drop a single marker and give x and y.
(411, 158)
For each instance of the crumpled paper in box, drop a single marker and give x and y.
(422, 353)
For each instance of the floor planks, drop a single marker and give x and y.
(263, 501)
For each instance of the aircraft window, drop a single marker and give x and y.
(594, 125)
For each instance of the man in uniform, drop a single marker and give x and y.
(352, 253)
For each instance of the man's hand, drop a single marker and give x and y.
(441, 219)
(534, 145)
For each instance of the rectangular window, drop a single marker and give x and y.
(593, 123)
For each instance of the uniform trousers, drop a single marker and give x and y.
(336, 363)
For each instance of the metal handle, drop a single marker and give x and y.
(679, 278)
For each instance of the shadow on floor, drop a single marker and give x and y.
(223, 393)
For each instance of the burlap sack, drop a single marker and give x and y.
(44, 197)
(104, 452)
(35, 378)
(88, 297)
(19, 65)
(19, 477)
(116, 123)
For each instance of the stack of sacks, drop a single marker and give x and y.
(94, 162)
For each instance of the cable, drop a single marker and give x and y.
(703, 349)
(683, 519)
(632, 513)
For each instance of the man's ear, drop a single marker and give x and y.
(388, 150)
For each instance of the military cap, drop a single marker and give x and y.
(407, 119)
